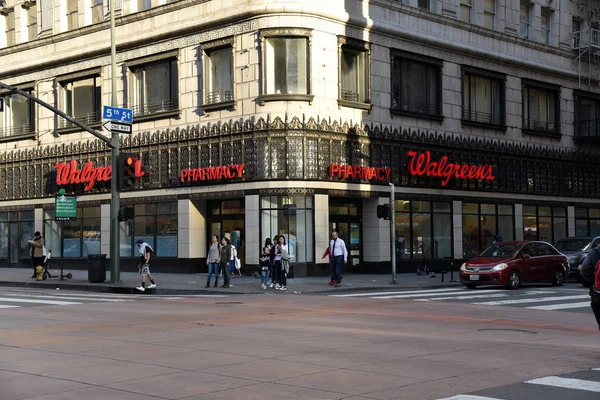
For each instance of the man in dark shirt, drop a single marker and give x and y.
(587, 269)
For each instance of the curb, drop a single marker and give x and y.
(103, 288)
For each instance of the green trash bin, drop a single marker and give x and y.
(96, 268)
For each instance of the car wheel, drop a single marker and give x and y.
(514, 280)
(559, 278)
(471, 286)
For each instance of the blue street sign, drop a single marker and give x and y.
(117, 114)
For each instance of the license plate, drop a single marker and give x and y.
(474, 277)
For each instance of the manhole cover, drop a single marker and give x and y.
(509, 331)
(229, 302)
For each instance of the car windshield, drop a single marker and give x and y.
(572, 244)
(501, 250)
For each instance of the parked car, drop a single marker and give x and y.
(576, 249)
(513, 263)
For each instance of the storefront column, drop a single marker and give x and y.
(191, 225)
(252, 227)
(571, 221)
(518, 221)
(39, 219)
(105, 229)
(457, 224)
(376, 234)
(322, 234)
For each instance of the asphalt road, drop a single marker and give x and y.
(393, 345)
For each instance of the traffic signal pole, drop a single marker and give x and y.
(115, 202)
(393, 232)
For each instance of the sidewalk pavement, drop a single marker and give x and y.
(180, 284)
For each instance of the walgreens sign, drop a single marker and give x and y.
(420, 164)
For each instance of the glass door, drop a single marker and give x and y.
(351, 234)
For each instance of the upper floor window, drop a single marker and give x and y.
(32, 22)
(576, 32)
(354, 73)
(525, 20)
(546, 23)
(466, 9)
(416, 85)
(218, 75)
(81, 99)
(483, 97)
(489, 14)
(286, 63)
(587, 113)
(154, 86)
(540, 108)
(18, 116)
(144, 4)
(97, 11)
(9, 24)
(424, 4)
(47, 7)
(72, 17)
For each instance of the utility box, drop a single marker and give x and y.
(96, 268)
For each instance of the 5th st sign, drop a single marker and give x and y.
(117, 127)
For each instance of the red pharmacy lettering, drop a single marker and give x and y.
(359, 172)
(230, 171)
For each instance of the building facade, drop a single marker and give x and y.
(261, 117)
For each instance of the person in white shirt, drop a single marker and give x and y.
(339, 254)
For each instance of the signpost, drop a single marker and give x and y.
(65, 209)
(117, 127)
(117, 114)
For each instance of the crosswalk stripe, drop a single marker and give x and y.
(535, 300)
(468, 397)
(554, 307)
(396, 292)
(7, 306)
(40, 301)
(466, 297)
(567, 383)
(70, 298)
(407, 296)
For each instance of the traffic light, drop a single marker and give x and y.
(126, 171)
(384, 211)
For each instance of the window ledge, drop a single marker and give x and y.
(72, 129)
(355, 104)
(158, 115)
(499, 127)
(218, 106)
(286, 97)
(11, 138)
(538, 132)
(395, 111)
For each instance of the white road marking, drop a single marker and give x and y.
(70, 298)
(50, 302)
(6, 306)
(466, 297)
(396, 292)
(535, 300)
(468, 397)
(567, 383)
(430, 294)
(553, 307)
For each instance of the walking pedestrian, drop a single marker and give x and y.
(224, 260)
(146, 254)
(265, 266)
(269, 244)
(331, 266)
(274, 275)
(587, 269)
(280, 248)
(212, 260)
(36, 246)
(339, 254)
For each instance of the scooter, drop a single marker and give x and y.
(47, 273)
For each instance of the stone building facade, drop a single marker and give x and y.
(295, 93)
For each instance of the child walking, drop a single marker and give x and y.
(265, 266)
(146, 253)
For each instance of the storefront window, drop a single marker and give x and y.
(482, 223)
(155, 224)
(587, 221)
(79, 238)
(544, 223)
(423, 229)
(293, 217)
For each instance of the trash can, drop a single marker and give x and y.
(96, 267)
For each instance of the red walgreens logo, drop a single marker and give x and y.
(68, 174)
(420, 164)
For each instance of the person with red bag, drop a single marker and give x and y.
(590, 270)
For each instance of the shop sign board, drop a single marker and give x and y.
(420, 164)
(359, 172)
(65, 207)
(221, 172)
(67, 173)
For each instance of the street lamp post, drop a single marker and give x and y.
(115, 203)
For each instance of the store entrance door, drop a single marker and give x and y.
(226, 219)
(345, 218)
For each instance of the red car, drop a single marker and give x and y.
(512, 263)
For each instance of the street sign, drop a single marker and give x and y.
(65, 207)
(117, 114)
(1, 104)
(117, 127)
